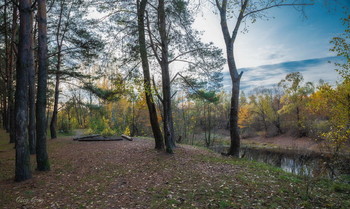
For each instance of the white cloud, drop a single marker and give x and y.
(268, 75)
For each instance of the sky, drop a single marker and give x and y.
(287, 42)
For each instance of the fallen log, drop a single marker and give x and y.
(101, 138)
(127, 137)
(88, 136)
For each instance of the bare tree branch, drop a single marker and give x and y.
(173, 94)
(182, 54)
(151, 39)
(277, 5)
(33, 5)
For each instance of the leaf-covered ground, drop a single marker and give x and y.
(124, 174)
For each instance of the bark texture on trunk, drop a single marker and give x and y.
(25, 60)
(5, 114)
(10, 91)
(53, 124)
(168, 119)
(59, 41)
(158, 137)
(234, 131)
(31, 101)
(41, 124)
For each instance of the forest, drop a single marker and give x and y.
(99, 70)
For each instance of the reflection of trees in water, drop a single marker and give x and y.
(293, 161)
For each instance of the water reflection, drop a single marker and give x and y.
(296, 162)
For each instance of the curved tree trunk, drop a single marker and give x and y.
(157, 133)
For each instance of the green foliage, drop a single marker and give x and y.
(127, 131)
(104, 94)
(207, 96)
(108, 132)
(342, 188)
(99, 125)
(65, 123)
(295, 99)
(339, 97)
(65, 127)
(333, 104)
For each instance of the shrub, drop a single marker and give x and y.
(127, 131)
(107, 132)
(65, 127)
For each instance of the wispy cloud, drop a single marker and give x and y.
(268, 75)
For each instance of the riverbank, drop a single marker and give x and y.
(285, 142)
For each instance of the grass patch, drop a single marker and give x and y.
(342, 188)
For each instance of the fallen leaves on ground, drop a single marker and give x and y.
(124, 174)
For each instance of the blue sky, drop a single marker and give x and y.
(269, 75)
(289, 42)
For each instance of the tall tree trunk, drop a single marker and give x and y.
(205, 124)
(41, 124)
(77, 113)
(25, 64)
(31, 102)
(53, 124)
(168, 119)
(348, 109)
(301, 131)
(278, 119)
(48, 107)
(59, 42)
(184, 120)
(11, 108)
(264, 123)
(209, 125)
(7, 55)
(133, 126)
(234, 131)
(157, 133)
(4, 108)
(235, 77)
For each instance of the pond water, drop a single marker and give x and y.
(295, 161)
